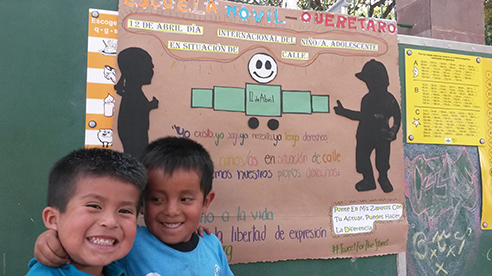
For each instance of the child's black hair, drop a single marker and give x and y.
(82, 163)
(171, 153)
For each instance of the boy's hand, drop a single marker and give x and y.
(200, 230)
(49, 251)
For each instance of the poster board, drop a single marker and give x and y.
(102, 44)
(486, 150)
(284, 147)
(445, 182)
(447, 104)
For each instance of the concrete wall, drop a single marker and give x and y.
(456, 20)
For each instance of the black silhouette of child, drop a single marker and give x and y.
(373, 132)
(136, 69)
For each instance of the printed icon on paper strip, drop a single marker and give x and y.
(105, 136)
(110, 46)
(109, 73)
(109, 106)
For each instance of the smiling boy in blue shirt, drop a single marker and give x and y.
(95, 225)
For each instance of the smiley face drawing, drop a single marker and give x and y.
(262, 68)
(259, 100)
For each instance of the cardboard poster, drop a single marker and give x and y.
(445, 100)
(101, 76)
(300, 111)
(486, 151)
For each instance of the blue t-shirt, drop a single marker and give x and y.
(150, 256)
(39, 269)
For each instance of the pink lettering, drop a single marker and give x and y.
(381, 26)
(341, 21)
(329, 19)
(351, 22)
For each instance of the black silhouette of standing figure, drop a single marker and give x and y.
(374, 132)
(136, 69)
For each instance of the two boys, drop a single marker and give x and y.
(178, 192)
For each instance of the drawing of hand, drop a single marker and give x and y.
(154, 103)
(339, 109)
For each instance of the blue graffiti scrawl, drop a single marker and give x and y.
(442, 196)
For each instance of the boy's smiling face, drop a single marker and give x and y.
(174, 204)
(99, 223)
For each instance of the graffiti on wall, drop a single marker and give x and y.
(442, 197)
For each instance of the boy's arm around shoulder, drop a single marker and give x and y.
(49, 251)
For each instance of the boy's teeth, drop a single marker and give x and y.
(172, 225)
(102, 241)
